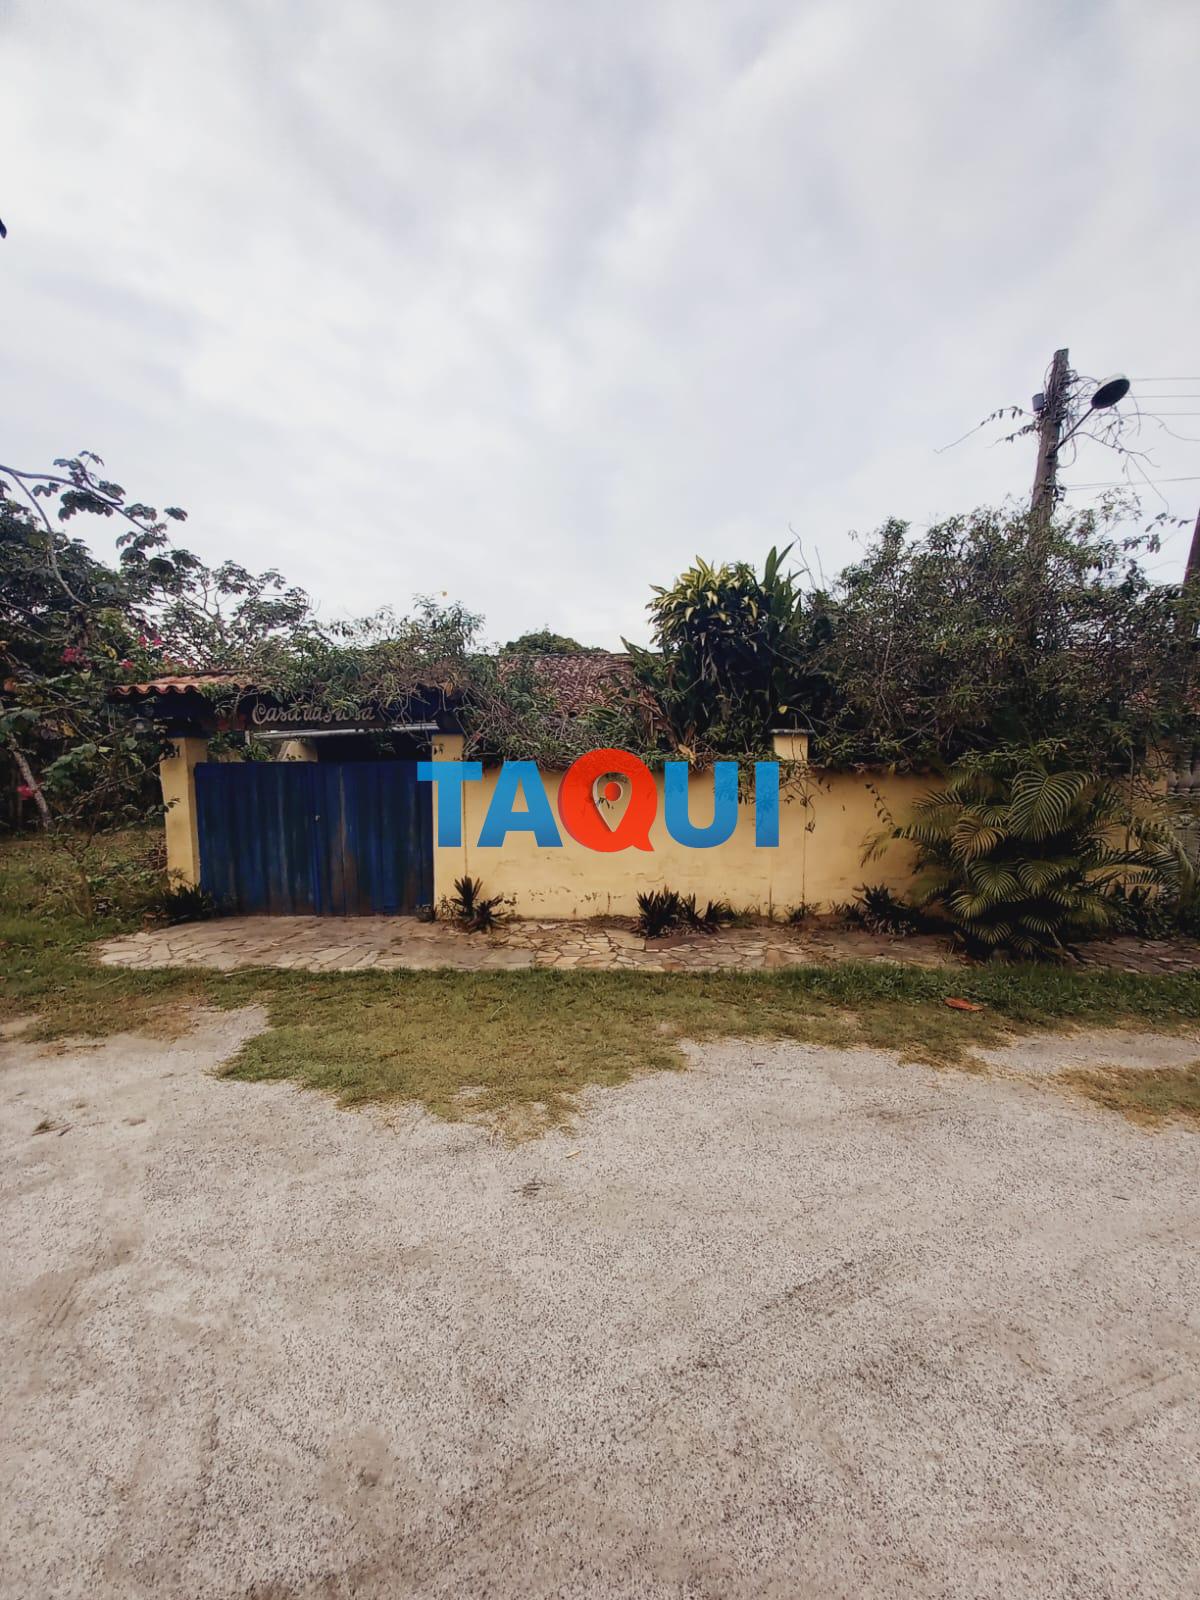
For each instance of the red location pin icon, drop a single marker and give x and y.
(581, 816)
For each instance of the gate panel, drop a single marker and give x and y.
(301, 837)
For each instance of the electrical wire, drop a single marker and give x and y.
(1124, 483)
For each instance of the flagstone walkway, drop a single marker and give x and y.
(382, 944)
(356, 944)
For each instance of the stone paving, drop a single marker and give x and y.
(382, 944)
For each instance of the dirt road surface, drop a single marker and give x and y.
(797, 1322)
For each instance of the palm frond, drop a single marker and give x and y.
(995, 879)
(1041, 801)
(1031, 861)
(973, 836)
(1037, 876)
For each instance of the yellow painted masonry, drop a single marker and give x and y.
(826, 820)
(177, 774)
(298, 750)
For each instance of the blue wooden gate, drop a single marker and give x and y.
(307, 837)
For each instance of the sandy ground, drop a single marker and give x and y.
(798, 1322)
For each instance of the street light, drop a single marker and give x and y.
(1110, 391)
(1107, 395)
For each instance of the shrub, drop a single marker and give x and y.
(470, 908)
(1157, 914)
(659, 913)
(716, 914)
(1025, 859)
(1147, 913)
(1185, 913)
(101, 877)
(743, 916)
(184, 902)
(662, 911)
(733, 654)
(996, 628)
(879, 911)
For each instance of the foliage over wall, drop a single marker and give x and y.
(387, 667)
(545, 642)
(988, 630)
(736, 656)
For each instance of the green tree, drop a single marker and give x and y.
(986, 631)
(72, 627)
(543, 642)
(735, 655)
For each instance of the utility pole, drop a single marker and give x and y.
(1050, 424)
(1186, 779)
(1191, 573)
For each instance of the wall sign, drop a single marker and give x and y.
(581, 794)
(290, 716)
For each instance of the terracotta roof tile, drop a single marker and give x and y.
(579, 681)
(181, 683)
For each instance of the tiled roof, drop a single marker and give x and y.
(579, 681)
(181, 683)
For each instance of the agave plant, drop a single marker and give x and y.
(1030, 860)
(659, 913)
(469, 907)
(878, 910)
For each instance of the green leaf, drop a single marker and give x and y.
(974, 837)
(1041, 801)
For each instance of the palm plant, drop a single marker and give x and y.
(1029, 860)
(735, 654)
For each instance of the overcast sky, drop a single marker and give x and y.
(529, 301)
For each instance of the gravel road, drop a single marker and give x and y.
(797, 1322)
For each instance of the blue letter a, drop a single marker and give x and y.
(501, 819)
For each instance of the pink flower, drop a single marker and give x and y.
(72, 653)
(127, 665)
(25, 792)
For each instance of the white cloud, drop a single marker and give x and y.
(530, 303)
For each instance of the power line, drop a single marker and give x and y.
(1124, 483)
(1195, 378)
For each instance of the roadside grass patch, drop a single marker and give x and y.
(480, 1044)
(46, 971)
(520, 1046)
(466, 1045)
(491, 1045)
(1150, 1097)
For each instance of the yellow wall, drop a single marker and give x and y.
(825, 820)
(176, 771)
(298, 750)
